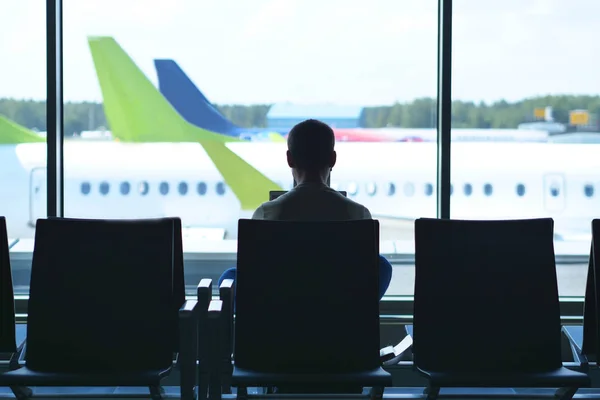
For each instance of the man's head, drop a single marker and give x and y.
(310, 148)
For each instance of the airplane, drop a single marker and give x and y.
(11, 133)
(194, 107)
(466, 134)
(164, 166)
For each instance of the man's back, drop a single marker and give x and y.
(312, 202)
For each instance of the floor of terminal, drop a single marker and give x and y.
(172, 392)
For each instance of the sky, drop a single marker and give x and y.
(351, 52)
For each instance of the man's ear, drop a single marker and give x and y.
(290, 159)
(333, 159)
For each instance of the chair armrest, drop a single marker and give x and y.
(188, 348)
(204, 293)
(227, 294)
(188, 309)
(578, 355)
(215, 348)
(392, 355)
(386, 354)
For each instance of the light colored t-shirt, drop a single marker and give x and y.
(312, 202)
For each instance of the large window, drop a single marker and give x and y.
(368, 69)
(146, 88)
(22, 128)
(524, 81)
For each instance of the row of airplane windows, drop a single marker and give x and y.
(352, 189)
(144, 188)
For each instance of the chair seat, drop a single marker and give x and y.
(248, 378)
(560, 377)
(27, 377)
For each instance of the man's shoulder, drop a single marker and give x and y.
(366, 212)
(259, 213)
(357, 210)
(360, 211)
(266, 209)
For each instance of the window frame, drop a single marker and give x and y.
(395, 307)
(55, 103)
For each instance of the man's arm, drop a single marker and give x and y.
(367, 213)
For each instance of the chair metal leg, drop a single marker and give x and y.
(226, 383)
(157, 392)
(214, 387)
(13, 364)
(376, 393)
(566, 393)
(432, 392)
(203, 387)
(22, 392)
(242, 393)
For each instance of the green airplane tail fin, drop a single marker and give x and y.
(137, 112)
(13, 133)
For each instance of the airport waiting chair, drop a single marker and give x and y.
(8, 340)
(8, 343)
(105, 297)
(584, 339)
(389, 355)
(475, 281)
(307, 307)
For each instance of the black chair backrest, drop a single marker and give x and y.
(101, 296)
(178, 272)
(486, 296)
(591, 333)
(178, 278)
(307, 296)
(8, 343)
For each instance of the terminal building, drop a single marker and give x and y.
(472, 269)
(286, 115)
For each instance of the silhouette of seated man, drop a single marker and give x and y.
(311, 156)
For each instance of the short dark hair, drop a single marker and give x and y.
(311, 144)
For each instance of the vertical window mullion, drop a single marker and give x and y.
(54, 109)
(444, 107)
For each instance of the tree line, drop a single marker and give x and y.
(420, 113)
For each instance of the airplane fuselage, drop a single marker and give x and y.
(394, 180)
